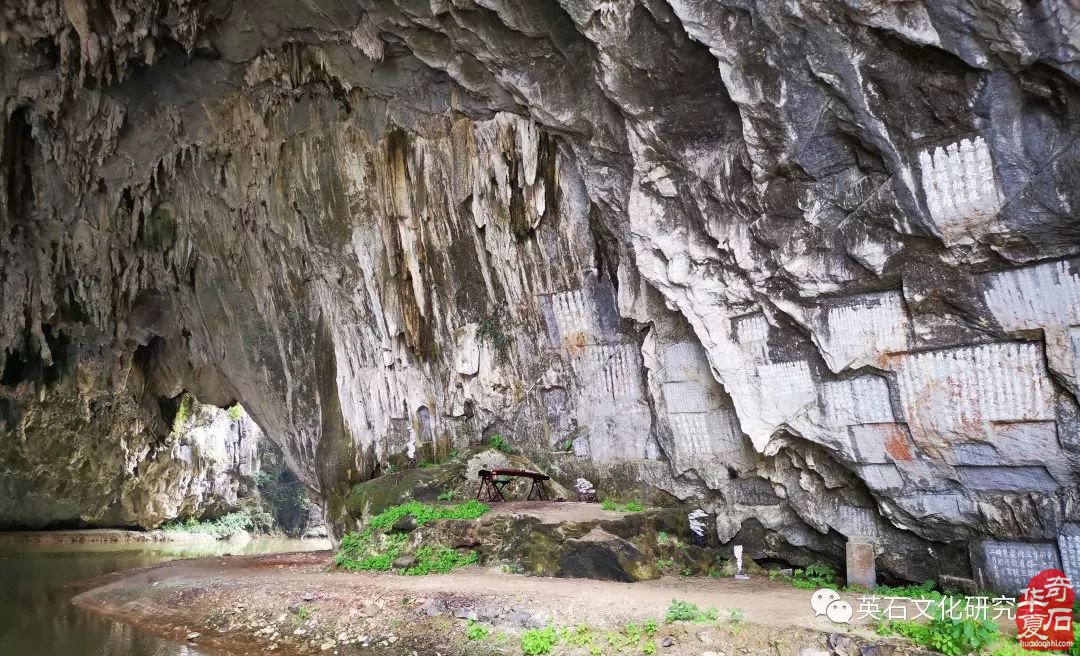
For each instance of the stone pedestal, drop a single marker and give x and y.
(860, 564)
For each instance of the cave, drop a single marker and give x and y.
(810, 267)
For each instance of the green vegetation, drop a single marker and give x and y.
(183, 412)
(630, 506)
(950, 637)
(735, 614)
(662, 537)
(474, 631)
(447, 496)
(665, 564)
(489, 329)
(539, 641)
(499, 443)
(284, 497)
(439, 560)
(236, 412)
(684, 611)
(549, 639)
(375, 549)
(811, 577)
(303, 613)
(220, 528)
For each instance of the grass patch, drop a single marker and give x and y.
(629, 506)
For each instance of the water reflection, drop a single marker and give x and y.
(35, 587)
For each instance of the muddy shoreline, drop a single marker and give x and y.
(101, 536)
(297, 604)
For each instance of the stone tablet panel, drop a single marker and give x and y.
(864, 327)
(1069, 546)
(1007, 567)
(691, 433)
(853, 521)
(685, 397)
(1034, 297)
(961, 192)
(964, 389)
(880, 443)
(861, 400)
(882, 477)
(976, 453)
(609, 373)
(1007, 479)
(752, 333)
(788, 384)
(1027, 442)
(754, 492)
(571, 316)
(684, 361)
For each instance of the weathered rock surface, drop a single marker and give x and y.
(812, 263)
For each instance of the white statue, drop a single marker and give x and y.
(738, 564)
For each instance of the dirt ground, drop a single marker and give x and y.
(295, 604)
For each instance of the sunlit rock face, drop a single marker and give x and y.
(807, 263)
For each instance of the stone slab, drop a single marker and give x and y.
(1007, 567)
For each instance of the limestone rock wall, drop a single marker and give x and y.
(811, 263)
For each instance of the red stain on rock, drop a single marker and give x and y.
(897, 445)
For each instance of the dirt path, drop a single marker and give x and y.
(291, 603)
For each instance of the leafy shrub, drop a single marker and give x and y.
(499, 443)
(236, 412)
(535, 642)
(474, 631)
(650, 627)
(632, 506)
(684, 611)
(608, 504)
(447, 496)
(813, 577)
(649, 648)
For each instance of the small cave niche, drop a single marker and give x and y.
(9, 415)
(26, 365)
(18, 151)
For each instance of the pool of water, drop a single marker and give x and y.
(36, 618)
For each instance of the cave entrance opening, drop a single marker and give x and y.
(256, 488)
